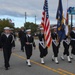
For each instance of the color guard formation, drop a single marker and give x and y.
(27, 43)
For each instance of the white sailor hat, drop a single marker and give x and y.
(28, 30)
(54, 27)
(41, 29)
(6, 28)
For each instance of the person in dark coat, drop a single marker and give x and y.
(21, 38)
(66, 44)
(55, 44)
(6, 40)
(29, 44)
(0, 41)
(42, 47)
(72, 35)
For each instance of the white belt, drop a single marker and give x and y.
(55, 42)
(67, 42)
(72, 39)
(42, 44)
(31, 43)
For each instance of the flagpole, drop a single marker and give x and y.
(35, 19)
(67, 3)
(25, 17)
(67, 12)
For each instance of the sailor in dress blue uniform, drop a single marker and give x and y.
(66, 44)
(72, 35)
(55, 44)
(7, 40)
(42, 47)
(29, 44)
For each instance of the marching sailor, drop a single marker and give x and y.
(72, 35)
(42, 47)
(21, 38)
(7, 40)
(29, 43)
(66, 43)
(55, 44)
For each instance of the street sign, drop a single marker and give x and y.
(71, 10)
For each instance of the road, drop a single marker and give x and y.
(19, 67)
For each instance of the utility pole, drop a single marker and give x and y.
(35, 19)
(25, 17)
(71, 21)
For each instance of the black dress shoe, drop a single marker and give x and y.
(8, 65)
(6, 68)
(70, 61)
(57, 63)
(29, 65)
(52, 59)
(43, 63)
(22, 50)
(26, 62)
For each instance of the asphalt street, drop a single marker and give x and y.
(19, 67)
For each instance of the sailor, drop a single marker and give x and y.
(55, 44)
(21, 38)
(72, 35)
(29, 44)
(6, 40)
(66, 43)
(42, 45)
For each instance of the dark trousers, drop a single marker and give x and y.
(66, 49)
(55, 49)
(0, 44)
(28, 50)
(73, 47)
(43, 52)
(22, 44)
(7, 55)
(13, 44)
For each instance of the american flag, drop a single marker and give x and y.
(46, 24)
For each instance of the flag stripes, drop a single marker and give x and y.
(46, 24)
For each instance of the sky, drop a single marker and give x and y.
(15, 10)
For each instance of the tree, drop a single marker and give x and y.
(31, 26)
(17, 29)
(5, 23)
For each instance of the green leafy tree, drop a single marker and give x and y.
(5, 23)
(31, 26)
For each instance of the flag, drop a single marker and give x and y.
(60, 21)
(46, 23)
(10, 21)
(66, 21)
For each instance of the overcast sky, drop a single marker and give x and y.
(15, 10)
